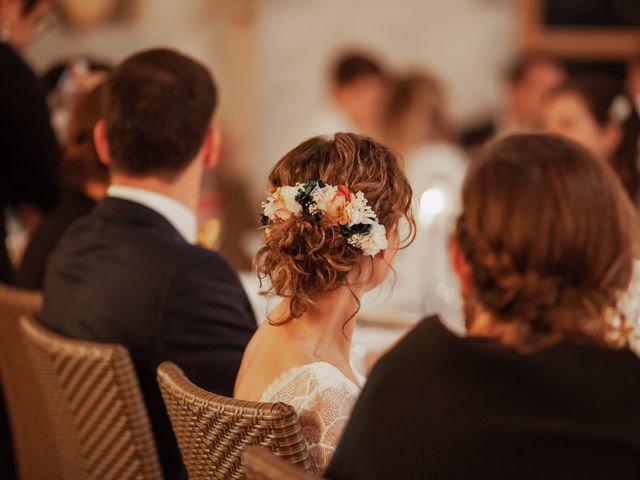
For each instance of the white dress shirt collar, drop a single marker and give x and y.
(177, 214)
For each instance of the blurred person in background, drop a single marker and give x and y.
(30, 152)
(358, 93)
(417, 125)
(528, 82)
(596, 112)
(544, 385)
(85, 182)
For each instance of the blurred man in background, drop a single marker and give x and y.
(359, 91)
(529, 81)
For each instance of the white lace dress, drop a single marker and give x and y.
(323, 398)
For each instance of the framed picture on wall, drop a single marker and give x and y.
(581, 29)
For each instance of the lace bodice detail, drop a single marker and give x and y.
(323, 398)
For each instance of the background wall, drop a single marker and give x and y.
(270, 57)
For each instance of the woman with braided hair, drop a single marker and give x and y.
(544, 385)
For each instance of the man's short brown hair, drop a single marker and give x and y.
(157, 106)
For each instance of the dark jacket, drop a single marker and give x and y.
(72, 206)
(442, 407)
(124, 275)
(30, 156)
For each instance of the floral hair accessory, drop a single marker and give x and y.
(358, 223)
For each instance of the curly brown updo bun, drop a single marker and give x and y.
(305, 256)
(549, 236)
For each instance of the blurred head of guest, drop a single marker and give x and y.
(307, 256)
(21, 20)
(65, 83)
(416, 112)
(359, 90)
(596, 112)
(544, 245)
(157, 132)
(529, 81)
(83, 170)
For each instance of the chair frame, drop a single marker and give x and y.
(213, 430)
(260, 464)
(93, 398)
(36, 453)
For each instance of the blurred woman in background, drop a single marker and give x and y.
(85, 179)
(417, 125)
(596, 112)
(30, 154)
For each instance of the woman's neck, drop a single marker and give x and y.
(326, 328)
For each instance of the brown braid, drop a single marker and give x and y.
(543, 257)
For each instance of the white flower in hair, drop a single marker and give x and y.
(358, 223)
(323, 198)
(359, 212)
(282, 204)
(371, 243)
(288, 195)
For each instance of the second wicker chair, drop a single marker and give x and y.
(93, 398)
(213, 431)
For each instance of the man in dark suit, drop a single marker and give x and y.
(528, 82)
(130, 272)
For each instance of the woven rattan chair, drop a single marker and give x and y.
(93, 397)
(35, 449)
(213, 431)
(260, 464)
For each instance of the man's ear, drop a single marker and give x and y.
(460, 266)
(212, 142)
(101, 143)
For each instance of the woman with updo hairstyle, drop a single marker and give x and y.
(331, 233)
(595, 111)
(543, 385)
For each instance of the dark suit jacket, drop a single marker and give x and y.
(72, 206)
(30, 155)
(125, 275)
(442, 407)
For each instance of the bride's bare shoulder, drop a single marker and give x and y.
(269, 353)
